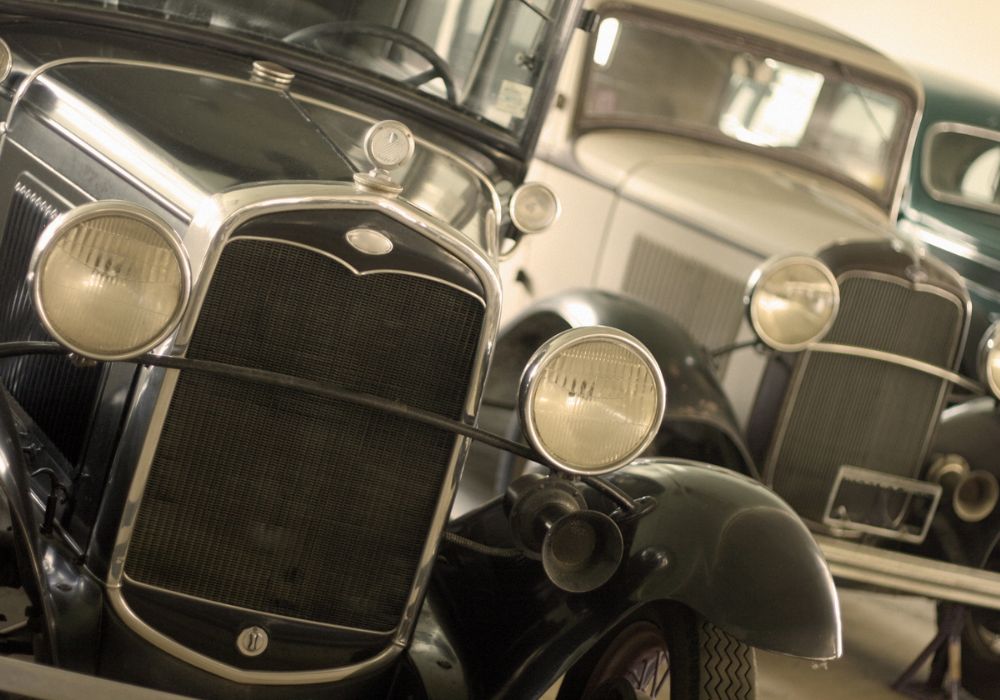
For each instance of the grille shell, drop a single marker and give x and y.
(245, 476)
(846, 410)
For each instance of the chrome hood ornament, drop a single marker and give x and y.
(388, 145)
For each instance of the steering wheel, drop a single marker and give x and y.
(310, 37)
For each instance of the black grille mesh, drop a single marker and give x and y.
(280, 502)
(57, 395)
(863, 412)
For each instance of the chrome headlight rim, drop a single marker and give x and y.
(772, 266)
(549, 351)
(66, 222)
(989, 346)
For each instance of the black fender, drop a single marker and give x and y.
(699, 422)
(971, 429)
(68, 598)
(716, 542)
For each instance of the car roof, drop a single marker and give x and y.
(951, 99)
(782, 26)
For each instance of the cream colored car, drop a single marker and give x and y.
(691, 141)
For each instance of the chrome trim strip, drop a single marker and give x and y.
(910, 574)
(491, 240)
(902, 360)
(791, 396)
(241, 675)
(925, 163)
(166, 591)
(906, 162)
(207, 235)
(405, 273)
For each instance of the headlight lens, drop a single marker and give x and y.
(989, 358)
(592, 399)
(792, 302)
(110, 280)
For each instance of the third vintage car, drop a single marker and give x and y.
(250, 295)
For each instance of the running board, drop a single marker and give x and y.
(910, 574)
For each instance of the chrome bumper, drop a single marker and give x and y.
(910, 574)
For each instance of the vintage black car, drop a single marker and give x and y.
(264, 240)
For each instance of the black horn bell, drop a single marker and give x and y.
(582, 551)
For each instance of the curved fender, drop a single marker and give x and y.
(69, 598)
(693, 390)
(716, 541)
(733, 551)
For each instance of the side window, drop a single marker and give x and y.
(962, 166)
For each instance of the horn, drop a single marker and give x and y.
(974, 493)
(975, 496)
(582, 551)
(534, 503)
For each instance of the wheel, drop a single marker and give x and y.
(312, 37)
(671, 655)
(981, 645)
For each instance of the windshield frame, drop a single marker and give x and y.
(902, 139)
(340, 74)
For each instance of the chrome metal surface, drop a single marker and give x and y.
(902, 360)
(269, 73)
(925, 163)
(389, 144)
(369, 241)
(6, 61)
(551, 350)
(521, 204)
(910, 574)
(95, 210)
(252, 641)
(989, 356)
(776, 265)
(885, 481)
(210, 230)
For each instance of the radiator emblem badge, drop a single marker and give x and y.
(369, 241)
(252, 641)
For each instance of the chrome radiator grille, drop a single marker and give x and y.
(863, 412)
(270, 500)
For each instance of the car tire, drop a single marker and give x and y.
(981, 645)
(673, 655)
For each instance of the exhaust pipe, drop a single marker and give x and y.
(974, 493)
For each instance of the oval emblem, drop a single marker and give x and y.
(252, 641)
(369, 241)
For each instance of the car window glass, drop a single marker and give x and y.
(964, 168)
(648, 73)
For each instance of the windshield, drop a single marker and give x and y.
(816, 115)
(483, 57)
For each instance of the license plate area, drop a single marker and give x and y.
(895, 507)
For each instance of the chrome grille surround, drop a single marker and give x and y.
(210, 230)
(888, 358)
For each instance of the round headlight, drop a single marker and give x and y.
(792, 302)
(110, 280)
(592, 399)
(533, 207)
(989, 358)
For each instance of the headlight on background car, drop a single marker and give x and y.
(792, 302)
(110, 280)
(592, 399)
(989, 358)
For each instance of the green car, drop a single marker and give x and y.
(953, 207)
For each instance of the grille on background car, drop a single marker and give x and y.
(275, 501)
(845, 410)
(58, 395)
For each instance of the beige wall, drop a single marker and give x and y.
(960, 37)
